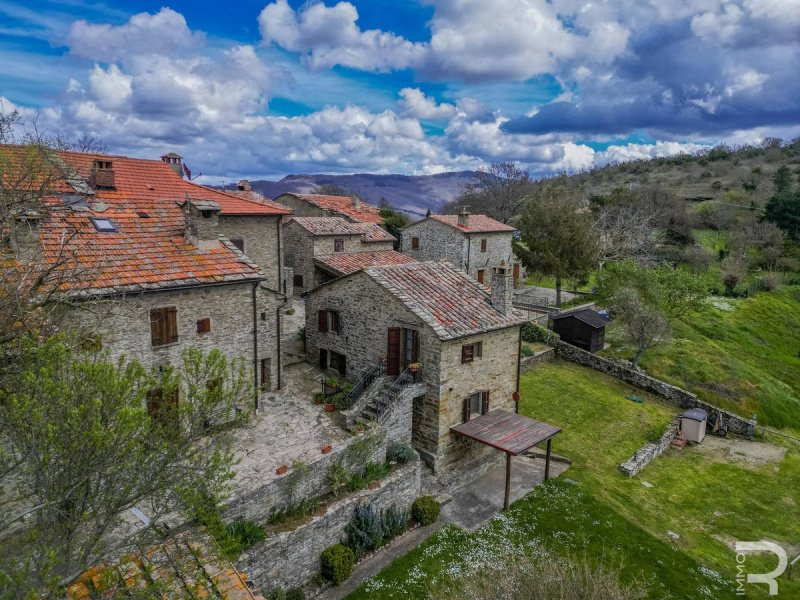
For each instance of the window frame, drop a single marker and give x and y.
(338, 245)
(298, 277)
(110, 228)
(484, 244)
(164, 326)
(414, 243)
(471, 352)
(204, 325)
(481, 276)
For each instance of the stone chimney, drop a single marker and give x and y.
(202, 223)
(25, 237)
(175, 162)
(463, 218)
(103, 175)
(356, 202)
(244, 186)
(502, 289)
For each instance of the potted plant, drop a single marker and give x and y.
(329, 407)
(414, 367)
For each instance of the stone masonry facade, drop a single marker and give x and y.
(366, 312)
(123, 324)
(439, 241)
(262, 239)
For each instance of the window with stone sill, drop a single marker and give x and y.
(469, 352)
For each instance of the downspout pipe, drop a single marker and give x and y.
(519, 366)
(255, 347)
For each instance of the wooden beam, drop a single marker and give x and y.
(547, 461)
(507, 498)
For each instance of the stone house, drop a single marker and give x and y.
(158, 262)
(321, 248)
(320, 205)
(466, 340)
(474, 243)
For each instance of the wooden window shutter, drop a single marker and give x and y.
(393, 351)
(322, 320)
(171, 318)
(156, 326)
(415, 243)
(465, 410)
(480, 275)
(467, 353)
(484, 243)
(484, 402)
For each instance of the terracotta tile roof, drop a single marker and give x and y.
(363, 213)
(374, 233)
(448, 300)
(155, 181)
(326, 225)
(341, 264)
(147, 251)
(477, 224)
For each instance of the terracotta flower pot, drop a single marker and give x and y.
(374, 485)
(330, 407)
(282, 470)
(327, 449)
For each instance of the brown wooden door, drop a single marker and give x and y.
(393, 351)
(516, 275)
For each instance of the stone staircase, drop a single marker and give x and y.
(371, 396)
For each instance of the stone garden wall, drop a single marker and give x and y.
(645, 454)
(528, 362)
(680, 397)
(257, 504)
(292, 558)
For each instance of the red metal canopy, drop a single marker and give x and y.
(506, 431)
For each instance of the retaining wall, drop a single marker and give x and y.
(528, 362)
(256, 504)
(645, 454)
(678, 396)
(292, 558)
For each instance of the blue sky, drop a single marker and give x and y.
(266, 88)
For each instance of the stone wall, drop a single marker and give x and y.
(646, 453)
(290, 559)
(257, 503)
(299, 255)
(398, 418)
(498, 249)
(260, 235)
(529, 362)
(123, 324)
(680, 397)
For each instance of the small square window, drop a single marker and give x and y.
(103, 225)
(204, 325)
(338, 245)
(469, 352)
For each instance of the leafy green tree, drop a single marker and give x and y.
(646, 300)
(86, 438)
(557, 236)
(393, 222)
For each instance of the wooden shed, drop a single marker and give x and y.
(583, 328)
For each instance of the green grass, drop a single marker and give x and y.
(606, 516)
(741, 355)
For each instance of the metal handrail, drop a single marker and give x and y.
(405, 379)
(367, 380)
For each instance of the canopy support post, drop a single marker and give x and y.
(547, 461)
(507, 498)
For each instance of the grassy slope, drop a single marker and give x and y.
(610, 517)
(744, 358)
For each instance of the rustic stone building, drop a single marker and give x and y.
(155, 268)
(320, 205)
(466, 340)
(474, 243)
(316, 248)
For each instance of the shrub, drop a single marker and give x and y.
(771, 281)
(302, 509)
(532, 332)
(365, 530)
(654, 433)
(425, 510)
(295, 594)
(290, 312)
(246, 533)
(336, 563)
(399, 453)
(393, 522)
(337, 477)
(526, 351)
(371, 472)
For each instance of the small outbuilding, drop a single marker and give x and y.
(584, 328)
(693, 424)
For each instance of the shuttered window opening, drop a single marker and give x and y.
(266, 374)
(415, 243)
(338, 245)
(484, 244)
(298, 281)
(163, 406)
(481, 273)
(163, 326)
(204, 325)
(475, 404)
(329, 320)
(469, 352)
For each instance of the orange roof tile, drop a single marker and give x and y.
(344, 205)
(341, 264)
(477, 224)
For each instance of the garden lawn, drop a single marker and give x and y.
(740, 354)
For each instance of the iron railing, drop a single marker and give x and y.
(405, 379)
(367, 380)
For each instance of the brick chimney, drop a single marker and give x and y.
(244, 186)
(103, 175)
(174, 161)
(463, 218)
(502, 289)
(25, 237)
(202, 223)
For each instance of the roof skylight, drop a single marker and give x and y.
(103, 225)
